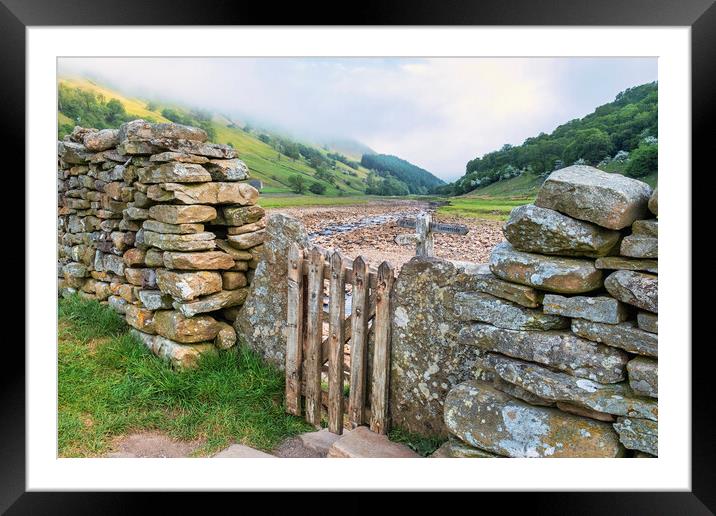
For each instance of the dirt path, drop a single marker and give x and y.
(369, 230)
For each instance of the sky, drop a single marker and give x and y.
(437, 113)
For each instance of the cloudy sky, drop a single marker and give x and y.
(437, 113)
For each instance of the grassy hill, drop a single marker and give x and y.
(264, 161)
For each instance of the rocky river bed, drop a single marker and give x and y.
(369, 230)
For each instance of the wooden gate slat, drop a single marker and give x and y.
(359, 344)
(294, 322)
(347, 328)
(314, 333)
(381, 352)
(336, 341)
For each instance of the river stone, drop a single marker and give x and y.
(175, 326)
(247, 240)
(190, 242)
(240, 215)
(209, 260)
(207, 193)
(101, 140)
(616, 399)
(560, 350)
(479, 277)
(174, 229)
(654, 202)
(638, 434)
(173, 172)
(456, 449)
(226, 337)
(598, 308)
(649, 227)
(477, 306)
(551, 273)
(188, 285)
(637, 246)
(488, 419)
(182, 214)
(155, 299)
(644, 376)
(261, 323)
(648, 322)
(426, 359)
(625, 335)
(541, 230)
(143, 130)
(586, 193)
(140, 318)
(223, 299)
(180, 157)
(227, 169)
(627, 264)
(635, 288)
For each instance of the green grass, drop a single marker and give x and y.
(619, 167)
(483, 208)
(110, 385)
(423, 446)
(289, 201)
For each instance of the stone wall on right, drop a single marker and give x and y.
(564, 325)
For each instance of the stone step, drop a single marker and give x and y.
(240, 451)
(362, 443)
(321, 441)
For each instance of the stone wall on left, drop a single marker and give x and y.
(160, 224)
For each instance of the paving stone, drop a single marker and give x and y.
(362, 443)
(240, 451)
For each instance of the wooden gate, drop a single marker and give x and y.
(309, 347)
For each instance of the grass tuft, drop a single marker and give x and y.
(421, 445)
(111, 385)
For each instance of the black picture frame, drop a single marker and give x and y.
(700, 15)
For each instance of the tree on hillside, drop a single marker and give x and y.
(644, 161)
(297, 184)
(318, 188)
(590, 144)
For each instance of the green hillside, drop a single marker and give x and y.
(395, 176)
(620, 137)
(273, 159)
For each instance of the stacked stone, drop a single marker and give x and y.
(566, 323)
(185, 237)
(92, 194)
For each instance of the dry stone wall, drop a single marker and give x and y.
(550, 350)
(161, 224)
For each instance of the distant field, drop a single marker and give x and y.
(491, 208)
(292, 201)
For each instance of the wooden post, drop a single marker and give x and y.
(381, 353)
(314, 333)
(337, 340)
(294, 322)
(425, 246)
(359, 344)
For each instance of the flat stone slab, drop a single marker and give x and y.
(240, 451)
(609, 200)
(640, 246)
(551, 273)
(638, 434)
(478, 306)
(206, 193)
(635, 288)
(598, 308)
(479, 277)
(320, 441)
(626, 336)
(644, 376)
(456, 449)
(362, 443)
(541, 230)
(174, 172)
(648, 322)
(627, 264)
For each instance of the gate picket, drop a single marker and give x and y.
(381, 353)
(314, 332)
(359, 344)
(336, 336)
(294, 322)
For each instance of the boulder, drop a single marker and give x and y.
(616, 399)
(479, 277)
(638, 434)
(586, 193)
(213, 302)
(188, 285)
(175, 214)
(173, 325)
(426, 359)
(625, 335)
(175, 229)
(143, 130)
(638, 246)
(551, 273)
(173, 173)
(598, 308)
(101, 140)
(561, 350)
(491, 420)
(227, 169)
(207, 193)
(654, 202)
(477, 306)
(262, 320)
(208, 260)
(626, 264)
(541, 230)
(648, 322)
(247, 240)
(190, 242)
(644, 376)
(635, 288)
